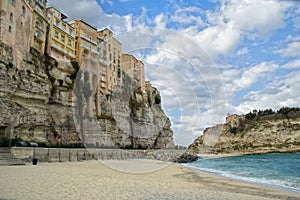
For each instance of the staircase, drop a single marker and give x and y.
(6, 159)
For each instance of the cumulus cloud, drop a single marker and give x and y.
(255, 17)
(281, 92)
(292, 50)
(253, 74)
(89, 11)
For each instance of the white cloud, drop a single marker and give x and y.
(292, 50)
(219, 40)
(242, 51)
(188, 16)
(281, 92)
(89, 11)
(294, 64)
(253, 74)
(160, 21)
(255, 17)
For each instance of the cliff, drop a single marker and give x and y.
(43, 99)
(272, 133)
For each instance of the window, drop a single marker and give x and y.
(9, 29)
(23, 11)
(85, 27)
(39, 23)
(91, 38)
(11, 17)
(62, 38)
(12, 2)
(56, 34)
(38, 34)
(57, 23)
(90, 48)
(91, 30)
(84, 35)
(69, 42)
(71, 32)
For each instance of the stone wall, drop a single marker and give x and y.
(66, 154)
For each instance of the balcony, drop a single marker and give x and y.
(40, 27)
(38, 36)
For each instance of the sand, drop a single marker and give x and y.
(130, 179)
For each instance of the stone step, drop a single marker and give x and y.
(6, 159)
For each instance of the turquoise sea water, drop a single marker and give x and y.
(279, 170)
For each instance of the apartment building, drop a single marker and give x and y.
(86, 38)
(39, 25)
(102, 58)
(134, 68)
(61, 38)
(15, 26)
(113, 57)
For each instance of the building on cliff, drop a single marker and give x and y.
(234, 119)
(86, 38)
(61, 38)
(28, 23)
(114, 53)
(135, 69)
(102, 58)
(39, 25)
(15, 26)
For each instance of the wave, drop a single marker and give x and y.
(256, 180)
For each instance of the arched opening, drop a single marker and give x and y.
(11, 17)
(60, 82)
(23, 11)
(86, 52)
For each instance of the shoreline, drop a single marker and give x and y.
(288, 189)
(95, 180)
(258, 152)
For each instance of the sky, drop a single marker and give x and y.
(208, 58)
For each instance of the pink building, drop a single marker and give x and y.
(15, 27)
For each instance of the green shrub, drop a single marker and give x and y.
(4, 142)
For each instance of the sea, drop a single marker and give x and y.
(275, 170)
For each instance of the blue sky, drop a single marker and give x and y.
(208, 58)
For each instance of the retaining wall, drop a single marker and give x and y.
(66, 154)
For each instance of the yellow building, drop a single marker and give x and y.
(15, 27)
(134, 68)
(39, 25)
(113, 57)
(86, 38)
(61, 38)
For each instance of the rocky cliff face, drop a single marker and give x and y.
(44, 99)
(276, 134)
(35, 101)
(127, 118)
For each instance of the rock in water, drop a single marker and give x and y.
(187, 158)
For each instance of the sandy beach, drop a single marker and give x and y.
(129, 179)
